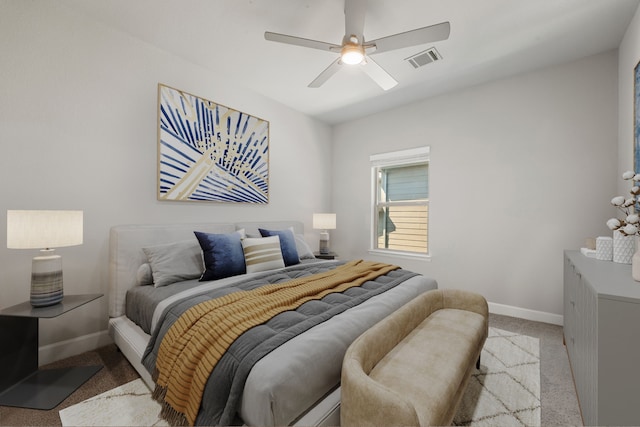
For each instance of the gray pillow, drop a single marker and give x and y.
(304, 251)
(174, 262)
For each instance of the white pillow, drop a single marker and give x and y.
(144, 276)
(262, 253)
(175, 262)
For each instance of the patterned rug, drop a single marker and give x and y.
(505, 391)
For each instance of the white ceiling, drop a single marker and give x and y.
(489, 39)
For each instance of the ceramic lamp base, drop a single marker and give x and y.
(46, 280)
(324, 242)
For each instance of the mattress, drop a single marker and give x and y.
(281, 387)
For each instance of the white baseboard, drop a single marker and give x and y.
(60, 350)
(525, 313)
(63, 349)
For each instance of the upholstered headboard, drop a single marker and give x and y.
(126, 243)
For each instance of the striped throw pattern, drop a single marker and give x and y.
(197, 340)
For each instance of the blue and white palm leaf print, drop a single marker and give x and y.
(209, 152)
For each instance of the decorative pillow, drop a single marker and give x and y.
(144, 276)
(287, 244)
(304, 251)
(223, 255)
(262, 253)
(174, 262)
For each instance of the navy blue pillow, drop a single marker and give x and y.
(223, 255)
(287, 245)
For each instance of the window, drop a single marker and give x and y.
(400, 187)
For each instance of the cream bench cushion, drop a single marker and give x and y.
(412, 367)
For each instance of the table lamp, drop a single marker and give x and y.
(324, 222)
(44, 230)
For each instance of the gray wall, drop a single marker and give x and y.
(521, 169)
(628, 57)
(78, 130)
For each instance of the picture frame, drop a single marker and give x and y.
(208, 152)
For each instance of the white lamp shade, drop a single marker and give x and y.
(324, 221)
(38, 229)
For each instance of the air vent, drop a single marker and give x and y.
(423, 58)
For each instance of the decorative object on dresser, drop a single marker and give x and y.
(44, 230)
(604, 248)
(602, 338)
(210, 152)
(324, 222)
(590, 247)
(623, 247)
(626, 230)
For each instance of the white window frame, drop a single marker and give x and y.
(396, 158)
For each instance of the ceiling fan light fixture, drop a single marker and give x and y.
(352, 54)
(355, 51)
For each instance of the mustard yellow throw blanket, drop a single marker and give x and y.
(195, 343)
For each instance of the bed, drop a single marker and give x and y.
(295, 383)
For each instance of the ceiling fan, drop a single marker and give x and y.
(354, 50)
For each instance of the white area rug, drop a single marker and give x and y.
(128, 405)
(506, 389)
(505, 392)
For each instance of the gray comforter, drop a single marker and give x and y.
(224, 390)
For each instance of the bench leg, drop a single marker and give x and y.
(478, 363)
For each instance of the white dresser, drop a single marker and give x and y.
(602, 336)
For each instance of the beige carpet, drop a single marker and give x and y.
(505, 391)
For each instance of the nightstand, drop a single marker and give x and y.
(330, 255)
(22, 384)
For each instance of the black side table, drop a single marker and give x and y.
(330, 255)
(22, 384)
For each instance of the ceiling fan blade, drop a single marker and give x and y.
(324, 76)
(432, 33)
(378, 74)
(354, 11)
(299, 41)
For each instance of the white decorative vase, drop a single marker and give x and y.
(623, 248)
(604, 248)
(635, 262)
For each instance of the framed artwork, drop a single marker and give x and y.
(210, 152)
(636, 118)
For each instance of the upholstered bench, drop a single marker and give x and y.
(412, 367)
